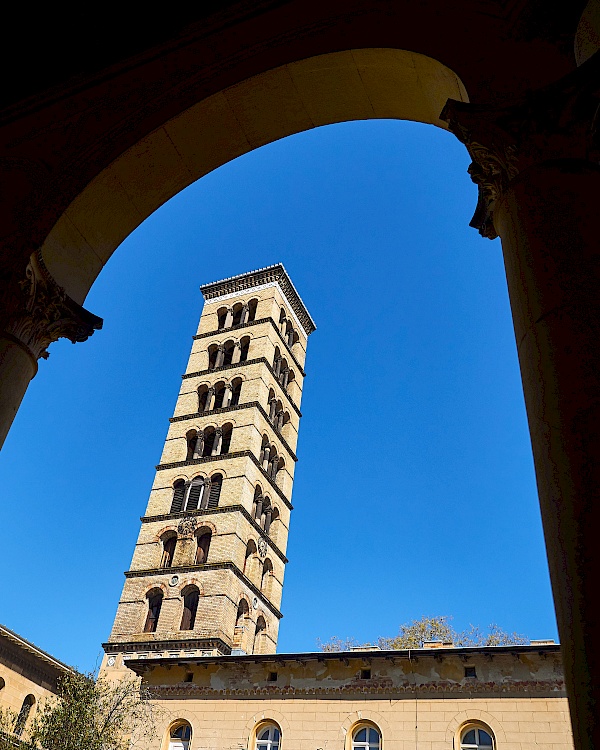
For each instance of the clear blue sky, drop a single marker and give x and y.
(415, 492)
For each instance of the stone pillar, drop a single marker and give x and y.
(259, 506)
(34, 312)
(266, 454)
(229, 318)
(210, 399)
(277, 366)
(199, 447)
(237, 352)
(268, 516)
(220, 356)
(284, 379)
(272, 407)
(227, 395)
(245, 314)
(536, 166)
(205, 495)
(216, 451)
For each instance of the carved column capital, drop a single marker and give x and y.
(557, 123)
(36, 312)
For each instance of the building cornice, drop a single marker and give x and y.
(258, 360)
(32, 650)
(224, 456)
(251, 323)
(245, 282)
(115, 647)
(249, 405)
(205, 567)
(222, 509)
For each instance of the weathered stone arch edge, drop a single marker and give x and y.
(376, 83)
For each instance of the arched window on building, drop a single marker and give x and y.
(277, 469)
(236, 390)
(252, 306)
(277, 361)
(221, 317)
(282, 321)
(240, 623)
(272, 532)
(266, 515)
(26, 706)
(226, 440)
(180, 736)
(267, 570)
(291, 378)
(203, 539)
(250, 550)
(155, 599)
(209, 441)
(216, 482)
(261, 627)
(237, 313)
(191, 596)
(219, 395)
(169, 541)
(191, 440)
(178, 496)
(476, 738)
(2, 683)
(268, 737)
(194, 493)
(244, 348)
(229, 349)
(366, 738)
(203, 398)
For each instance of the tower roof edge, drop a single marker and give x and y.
(275, 274)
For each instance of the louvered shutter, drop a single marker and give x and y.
(178, 495)
(194, 494)
(215, 492)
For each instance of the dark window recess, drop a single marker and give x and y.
(190, 607)
(215, 491)
(189, 677)
(178, 495)
(470, 672)
(272, 677)
(365, 674)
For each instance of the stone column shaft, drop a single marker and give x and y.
(237, 352)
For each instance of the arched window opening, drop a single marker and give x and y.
(2, 683)
(178, 496)
(213, 352)
(268, 738)
(284, 373)
(221, 317)
(203, 398)
(240, 623)
(209, 441)
(237, 313)
(191, 596)
(194, 493)
(169, 542)
(252, 305)
(155, 598)
(219, 395)
(476, 738)
(267, 570)
(203, 538)
(191, 439)
(216, 482)
(272, 465)
(272, 530)
(257, 503)
(261, 627)
(291, 378)
(250, 550)
(180, 736)
(236, 391)
(244, 348)
(366, 738)
(228, 351)
(21, 720)
(266, 516)
(282, 320)
(277, 469)
(277, 361)
(226, 441)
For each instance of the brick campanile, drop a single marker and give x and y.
(207, 571)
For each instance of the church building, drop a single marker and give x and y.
(199, 614)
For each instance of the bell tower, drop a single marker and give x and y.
(207, 571)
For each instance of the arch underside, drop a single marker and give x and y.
(337, 87)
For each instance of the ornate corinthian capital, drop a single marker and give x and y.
(37, 312)
(557, 123)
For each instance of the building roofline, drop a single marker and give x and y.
(142, 665)
(268, 274)
(19, 641)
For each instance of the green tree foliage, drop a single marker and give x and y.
(87, 714)
(418, 632)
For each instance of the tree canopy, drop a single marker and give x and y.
(414, 634)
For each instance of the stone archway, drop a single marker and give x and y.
(342, 86)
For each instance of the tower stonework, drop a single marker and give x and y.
(207, 570)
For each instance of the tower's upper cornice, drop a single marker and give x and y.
(274, 275)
